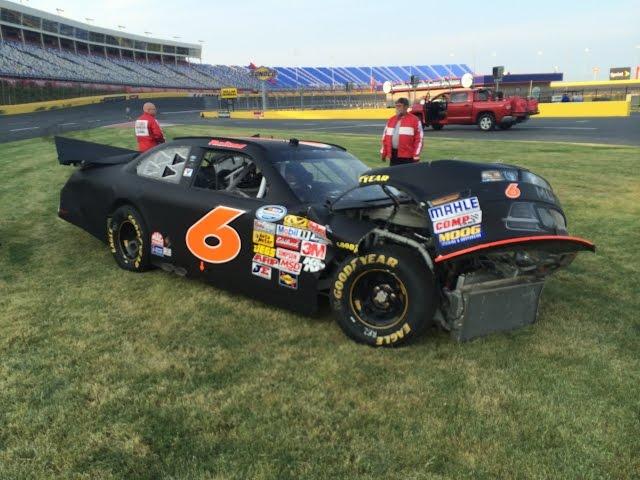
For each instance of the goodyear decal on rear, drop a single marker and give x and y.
(373, 178)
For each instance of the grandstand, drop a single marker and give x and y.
(37, 45)
(323, 77)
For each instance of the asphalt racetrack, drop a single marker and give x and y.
(615, 131)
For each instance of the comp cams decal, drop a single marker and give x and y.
(457, 222)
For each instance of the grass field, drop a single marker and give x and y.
(108, 374)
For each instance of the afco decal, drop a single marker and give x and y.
(215, 224)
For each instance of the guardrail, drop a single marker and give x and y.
(547, 110)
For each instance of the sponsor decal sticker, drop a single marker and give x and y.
(263, 226)
(295, 221)
(374, 178)
(187, 172)
(455, 237)
(317, 229)
(512, 191)
(261, 271)
(293, 232)
(453, 209)
(166, 252)
(265, 260)
(314, 249)
(226, 144)
(263, 238)
(157, 244)
(288, 280)
(313, 265)
(289, 255)
(464, 220)
(347, 246)
(264, 250)
(289, 266)
(271, 213)
(287, 242)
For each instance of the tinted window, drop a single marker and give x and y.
(66, 30)
(316, 175)
(459, 97)
(166, 164)
(50, 26)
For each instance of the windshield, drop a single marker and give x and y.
(316, 175)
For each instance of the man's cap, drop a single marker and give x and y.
(404, 101)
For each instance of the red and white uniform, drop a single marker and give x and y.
(148, 132)
(410, 138)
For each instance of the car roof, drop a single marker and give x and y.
(265, 143)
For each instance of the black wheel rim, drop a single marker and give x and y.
(128, 240)
(379, 299)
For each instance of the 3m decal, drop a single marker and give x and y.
(295, 221)
(373, 178)
(263, 238)
(314, 249)
(226, 144)
(348, 269)
(455, 237)
(265, 260)
(512, 191)
(293, 232)
(271, 213)
(261, 271)
(289, 266)
(289, 255)
(288, 280)
(263, 226)
(313, 265)
(455, 208)
(288, 242)
(215, 224)
(264, 250)
(460, 221)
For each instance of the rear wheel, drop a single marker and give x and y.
(486, 122)
(129, 239)
(506, 126)
(437, 126)
(385, 297)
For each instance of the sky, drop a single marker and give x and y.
(572, 37)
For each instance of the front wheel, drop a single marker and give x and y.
(486, 122)
(385, 297)
(128, 239)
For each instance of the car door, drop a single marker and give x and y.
(459, 108)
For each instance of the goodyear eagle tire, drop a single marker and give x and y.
(128, 239)
(384, 297)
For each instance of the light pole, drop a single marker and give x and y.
(586, 60)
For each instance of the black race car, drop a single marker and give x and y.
(463, 245)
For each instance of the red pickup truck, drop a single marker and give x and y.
(478, 106)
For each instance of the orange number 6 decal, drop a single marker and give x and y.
(215, 224)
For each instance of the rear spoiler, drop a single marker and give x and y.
(78, 152)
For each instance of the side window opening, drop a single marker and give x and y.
(231, 172)
(459, 97)
(166, 164)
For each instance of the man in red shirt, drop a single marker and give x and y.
(402, 137)
(148, 131)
